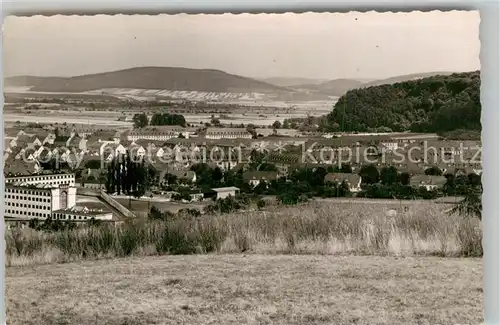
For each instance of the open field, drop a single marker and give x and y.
(38, 118)
(143, 206)
(110, 118)
(252, 289)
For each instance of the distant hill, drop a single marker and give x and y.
(149, 78)
(408, 77)
(290, 82)
(25, 81)
(336, 87)
(436, 104)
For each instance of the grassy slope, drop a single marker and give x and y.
(254, 289)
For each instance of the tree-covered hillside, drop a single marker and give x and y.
(433, 104)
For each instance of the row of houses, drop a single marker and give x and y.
(226, 153)
(353, 180)
(175, 156)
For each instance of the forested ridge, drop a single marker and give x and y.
(433, 104)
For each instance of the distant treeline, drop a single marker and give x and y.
(141, 120)
(437, 104)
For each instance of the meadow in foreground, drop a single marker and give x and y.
(313, 228)
(252, 289)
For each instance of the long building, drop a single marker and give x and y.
(44, 196)
(81, 214)
(43, 179)
(38, 201)
(227, 133)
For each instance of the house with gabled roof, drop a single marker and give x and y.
(6, 145)
(137, 150)
(49, 138)
(22, 168)
(428, 181)
(353, 180)
(23, 133)
(254, 178)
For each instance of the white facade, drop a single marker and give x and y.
(221, 135)
(51, 179)
(157, 136)
(226, 133)
(225, 192)
(84, 214)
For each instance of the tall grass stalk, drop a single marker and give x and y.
(309, 229)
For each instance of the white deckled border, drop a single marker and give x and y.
(489, 89)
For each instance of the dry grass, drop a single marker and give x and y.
(326, 229)
(252, 289)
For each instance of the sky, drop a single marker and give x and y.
(312, 45)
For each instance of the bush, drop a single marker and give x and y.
(261, 204)
(175, 241)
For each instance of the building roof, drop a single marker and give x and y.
(24, 139)
(74, 141)
(421, 180)
(25, 185)
(82, 211)
(225, 189)
(227, 130)
(154, 132)
(45, 174)
(411, 168)
(180, 174)
(20, 168)
(6, 143)
(260, 175)
(352, 179)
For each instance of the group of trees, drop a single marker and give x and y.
(389, 183)
(141, 120)
(300, 184)
(128, 175)
(433, 104)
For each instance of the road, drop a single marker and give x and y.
(447, 200)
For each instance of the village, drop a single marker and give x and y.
(190, 167)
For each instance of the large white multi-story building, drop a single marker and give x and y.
(44, 196)
(50, 179)
(38, 201)
(227, 133)
(159, 133)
